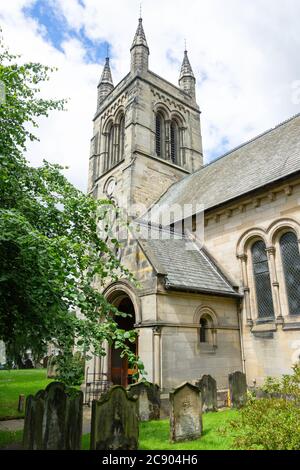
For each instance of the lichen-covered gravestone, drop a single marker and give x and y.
(208, 389)
(185, 413)
(115, 424)
(237, 389)
(148, 400)
(53, 419)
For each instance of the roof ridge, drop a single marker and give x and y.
(246, 143)
(191, 175)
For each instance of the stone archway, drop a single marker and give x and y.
(123, 299)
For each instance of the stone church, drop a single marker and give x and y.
(230, 299)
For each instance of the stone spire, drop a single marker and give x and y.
(187, 79)
(139, 50)
(105, 85)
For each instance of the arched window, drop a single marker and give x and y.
(291, 267)
(159, 135)
(262, 280)
(203, 330)
(174, 134)
(110, 148)
(121, 138)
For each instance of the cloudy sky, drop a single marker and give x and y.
(245, 55)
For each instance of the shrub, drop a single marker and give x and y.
(70, 369)
(271, 423)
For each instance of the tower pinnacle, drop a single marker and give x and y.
(105, 85)
(139, 49)
(187, 79)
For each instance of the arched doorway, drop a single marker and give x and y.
(119, 371)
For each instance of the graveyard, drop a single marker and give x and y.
(190, 431)
(38, 413)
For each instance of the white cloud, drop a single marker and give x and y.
(245, 56)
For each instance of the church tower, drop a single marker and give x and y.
(146, 132)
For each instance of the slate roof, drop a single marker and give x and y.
(186, 266)
(259, 162)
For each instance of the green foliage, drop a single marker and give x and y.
(70, 369)
(271, 423)
(53, 259)
(22, 102)
(288, 386)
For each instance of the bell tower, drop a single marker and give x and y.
(146, 132)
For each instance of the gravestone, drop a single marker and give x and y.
(208, 389)
(185, 413)
(52, 367)
(115, 424)
(237, 389)
(53, 419)
(148, 400)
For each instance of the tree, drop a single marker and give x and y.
(53, 259)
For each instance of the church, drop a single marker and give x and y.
(214, 302)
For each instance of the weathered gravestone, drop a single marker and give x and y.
(208, 389)
(185, 413)
(237, 389)
(148, 400)
(115, 424)
(53, 419)
(52, 367)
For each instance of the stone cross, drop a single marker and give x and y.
(148, 399)
(115, 424)
(185, 413)
(208, 388)
(53, 419)
(237, 389)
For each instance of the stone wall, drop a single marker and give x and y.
(270, 349)
(183, 357)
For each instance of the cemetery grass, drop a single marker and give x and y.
(10, 437)
(154, 435)
(16, 382)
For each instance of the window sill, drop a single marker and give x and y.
(264, 321)
(291, 325)
(167, 162)
(264, 327)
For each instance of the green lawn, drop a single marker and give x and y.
(154, 435)
(10, 437)
(16, 382)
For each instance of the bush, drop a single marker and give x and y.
(271, 423)
(70, 369)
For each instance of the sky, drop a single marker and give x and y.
(245, 56)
